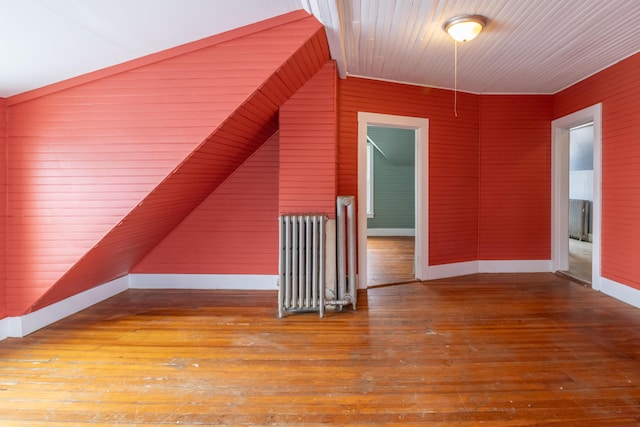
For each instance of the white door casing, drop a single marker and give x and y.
(560, 188)
(421, 127)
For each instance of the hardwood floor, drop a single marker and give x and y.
(390, 259)
(493, 350)
(580, 256)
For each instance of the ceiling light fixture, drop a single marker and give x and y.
(465, 27)
(462, 28)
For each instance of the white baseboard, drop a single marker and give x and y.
(444, 271)
(621, 292)
(204, 281)
(21, 326)
(472, 267)
(519, 266)
(624, 293)
(391, 232)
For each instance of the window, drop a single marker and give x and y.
(369, 180)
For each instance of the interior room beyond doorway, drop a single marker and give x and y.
(391, 205)
(581, 188)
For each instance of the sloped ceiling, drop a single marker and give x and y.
(528, 46)
(45, 41)
(396, 145)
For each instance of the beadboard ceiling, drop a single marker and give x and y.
(540, 46)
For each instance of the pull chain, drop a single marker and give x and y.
(455, 79)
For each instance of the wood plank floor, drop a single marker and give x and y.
(580, 260)
(390, 260)
(493, 350)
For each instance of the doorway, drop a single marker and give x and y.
(581, 202)
(560, 190)
(419, 127)
(390, 205)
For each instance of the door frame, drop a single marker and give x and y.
(560, 189)
(421, 127)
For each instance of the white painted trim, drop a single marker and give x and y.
(620, 292)
(444, 271)
(204, 281)
(560, 199)
(327, 13)
(4, 328)
(21, 326)
(421, 127)
(518, 266)
(560, 189)
(391, 231)
(488, 266)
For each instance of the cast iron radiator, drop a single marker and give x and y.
(579, 219)
(301, 270)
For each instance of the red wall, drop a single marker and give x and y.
(3, 206)
(453, 156)
(308, 149)
(515, 177)
(513, 187)
(85, 154)
(102, 171)
(618, 89)
(234, 231)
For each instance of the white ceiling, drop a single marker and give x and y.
(45, 41)
(528, 46)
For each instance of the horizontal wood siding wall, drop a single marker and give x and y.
(3, 208)
(515, 177)
(101, 173)
(453, 156)
(234, 231)
(618, 89)
(308, 147)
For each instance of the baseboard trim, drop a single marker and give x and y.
(444, 271)
(20, 326)
(621, 292)
(519, 266)
(204, 281)
(391, 231)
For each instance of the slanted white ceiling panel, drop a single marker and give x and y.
(539, 46)
(45, 41)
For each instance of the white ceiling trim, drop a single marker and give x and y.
(328, 13)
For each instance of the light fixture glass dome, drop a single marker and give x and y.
(466, 27)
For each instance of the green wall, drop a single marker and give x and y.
(394, 178)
